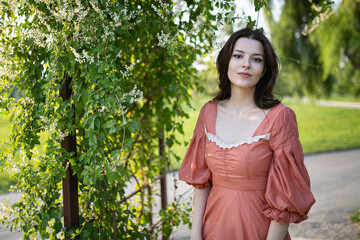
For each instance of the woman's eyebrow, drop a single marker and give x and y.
(255, 54)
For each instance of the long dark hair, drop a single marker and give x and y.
(264, 98)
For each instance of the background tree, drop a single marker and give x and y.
(338, 39)
(300, 73)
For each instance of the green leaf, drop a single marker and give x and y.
(133, 126)
(169, 142)
(114, 154)
(97, 123)
(110, 123)
(167, 230)
(57, 226)
(111, 176)
(93, 140)
(128, 142)
(97, 172)
(169, 126)
(112, 130)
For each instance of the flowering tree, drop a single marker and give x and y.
(129, 65)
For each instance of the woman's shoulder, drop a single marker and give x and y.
(208, 110)
(209, 106)
(282, 110)
(283, 115)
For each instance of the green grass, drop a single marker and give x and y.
(5, 182)
(4, 127)
(341, 98)
(355, 218)
(324, 129)
(321, 129)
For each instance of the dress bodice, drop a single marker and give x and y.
(253, 181)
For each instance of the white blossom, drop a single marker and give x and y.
(128, 69)
(133, 14)
(88, 58)
(117, 19)
(26, 101)
(163, 6)
(179, 6)
(52, 126)
(60, 235)
(63, 135)
(157, 10)
(5, 211)
(82, 58)
(2, 99)
(135, 93)
(38, 37)
(122, 110)
(165, 40)
(44, 120)
(76, 54)
(102, 109)
(119, 54)
(108, 34)
(94, 6)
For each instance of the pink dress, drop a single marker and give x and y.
(253, 182)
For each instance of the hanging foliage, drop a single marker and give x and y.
(301, 71)
(130, 64)
(338, 38)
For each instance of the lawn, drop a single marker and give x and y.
(325, 129)
(4, 134)
(4, 127)
(341, 98)
(321, 129)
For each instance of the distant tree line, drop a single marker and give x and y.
(318, 45)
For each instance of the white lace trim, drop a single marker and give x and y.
(222, 144)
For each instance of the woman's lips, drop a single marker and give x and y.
(244, 74)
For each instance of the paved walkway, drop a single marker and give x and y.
(332, 103)
(335, 180)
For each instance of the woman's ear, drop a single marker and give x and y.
(262, 74)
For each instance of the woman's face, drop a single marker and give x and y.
(246, 63)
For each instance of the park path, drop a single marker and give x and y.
(328, 103)
(335, 183)
(338, 104)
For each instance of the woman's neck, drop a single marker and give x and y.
(241, 99)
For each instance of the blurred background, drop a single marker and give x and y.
(319, 69)
(318, 44)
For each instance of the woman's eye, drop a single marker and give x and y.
(237, 56)
(257, 59)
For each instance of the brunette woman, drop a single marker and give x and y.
(245, 159)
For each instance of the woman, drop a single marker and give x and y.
(245, 159)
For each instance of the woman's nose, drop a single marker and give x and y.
(246, 63)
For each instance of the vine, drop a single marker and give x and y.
(130, 65)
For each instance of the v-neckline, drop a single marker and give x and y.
(245, 140)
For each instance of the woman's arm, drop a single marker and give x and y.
(277, 231)
(199, 203)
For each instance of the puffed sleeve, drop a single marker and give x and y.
(194, 170)
(288, 195)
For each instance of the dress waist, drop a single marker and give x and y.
(240, 184)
